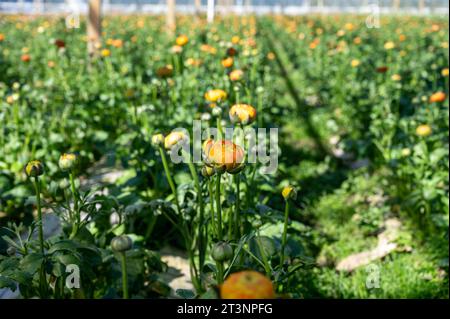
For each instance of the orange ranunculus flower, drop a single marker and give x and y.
(182, 40)
(215, 95)
(271, 56)
(117, 43)
(2, 37)
(174, 138)
(247, 284)
(236, 75)
(227, 62)
(25, 58)
(165, 71)
(242, 113)
(224, 156)
(438, 97)
(423, 130)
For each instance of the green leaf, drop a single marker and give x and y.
(185, 293)
(32, 262)
(7, 283)
(63, 245)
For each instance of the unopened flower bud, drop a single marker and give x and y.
(67, 161)
(34, 169)
(121, 243)
(222, 251)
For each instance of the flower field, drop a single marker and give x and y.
(332, 184)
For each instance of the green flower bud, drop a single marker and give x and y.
(217, 111)
(34, 169)
(222, 251)
(121, 243)
(207, 171)
(158, 140)
(67, 161)
(289, 192)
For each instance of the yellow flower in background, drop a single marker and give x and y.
(242, 113)
(423, 130)
(389, 45)
(355, 63)
(235, 39)
(445, 72)
(396, 77)
(174, 138)
(182, 40)
(105, 53)
(215, 95)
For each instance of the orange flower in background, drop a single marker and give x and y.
(247, 284)
(60, 44)
(242, 113)
(208, 49)
(271, 56)
(236, 75)
(117, 43)
(25, 58)
(357, 40)
(51, 64)
(165, 71)
(182, 40)
(224, 156)
(215, 95)
(438, 97)
(227, 62)
(2, 37)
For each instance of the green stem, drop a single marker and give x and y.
(123, 261)
(219, 127)
(219, 208)
(236, 211)
(37, 187)
(219, 278)
(75, 196)
(211, 203)
(283, 242)
(168, 176)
